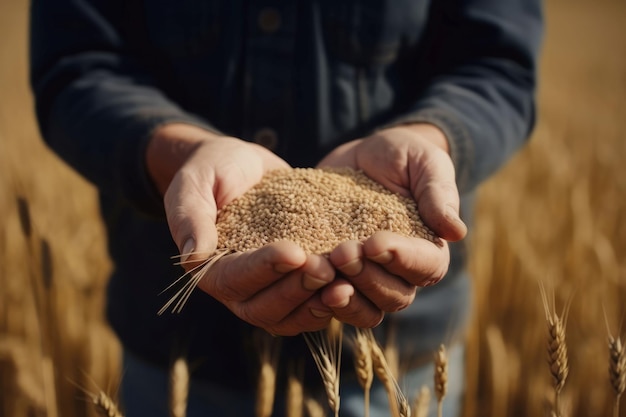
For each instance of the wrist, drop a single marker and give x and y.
(170, 147)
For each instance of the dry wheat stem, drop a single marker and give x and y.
(557, 347)
(295, 392)
(268, 363)
(325, 347)
(441, 377)
(398, 404)
(179, 387)
(363, 365)
(617, 370)
(194, 275)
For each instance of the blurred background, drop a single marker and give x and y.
(555, 215)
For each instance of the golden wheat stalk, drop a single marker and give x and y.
(557, 347)
(294, 406)
(268, 363)
(179, 388)
(325, 347)
(398, 404)
(617, 369)
(363, 365)
(617, 365)
(441, 377)
(421, 404)
(105, 405)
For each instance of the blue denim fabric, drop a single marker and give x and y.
(144, 392)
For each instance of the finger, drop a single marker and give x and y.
(236, 278)
(437, 195)
(279, 300)
(418, 261)
(349, 306)
(387, 291)
(191, 212)
(310, 316)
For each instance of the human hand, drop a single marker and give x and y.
(382, 274)
(199, 172)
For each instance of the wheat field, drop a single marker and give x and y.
(555, 215)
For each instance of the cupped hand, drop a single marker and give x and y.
(382, 274)
(199, 172)
(274, 287)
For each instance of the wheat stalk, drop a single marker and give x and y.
(105, 405)
(363, 365)
(421, 404)
(268, 362)
(441, 377)
(557, 347)
(398, 404)
(325, 347)
(179, 387)
(295, 391)
(617, 365)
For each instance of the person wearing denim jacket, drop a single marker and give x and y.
(173, 109)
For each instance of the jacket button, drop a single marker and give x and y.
(269, 20)
(267, 138)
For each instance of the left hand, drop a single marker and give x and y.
(382, 273)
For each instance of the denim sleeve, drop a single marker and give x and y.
(96, 107)
(482, 61)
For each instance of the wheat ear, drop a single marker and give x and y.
(617, 365)
(363, 365)
(105, 405)
(441, 377)
(398, 404)
(179, 388)
(325, 347)
(557, 347)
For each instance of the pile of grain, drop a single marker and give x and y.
(317, 209)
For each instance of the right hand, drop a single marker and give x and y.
(274, 287)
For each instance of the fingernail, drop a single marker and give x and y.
(382, 258)
(284, 268)
(352, 268)
(311, 283)
(188, 248)
(320, 314)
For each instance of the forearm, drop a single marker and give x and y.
(481, 61)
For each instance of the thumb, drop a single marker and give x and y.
(437, 198)
(191, 215)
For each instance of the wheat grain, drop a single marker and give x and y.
(317, 209)
(617, 369)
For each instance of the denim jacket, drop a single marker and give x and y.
(299, 77)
